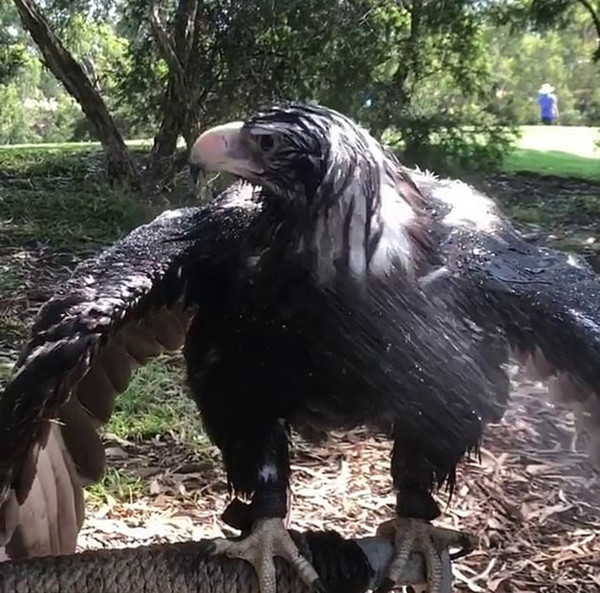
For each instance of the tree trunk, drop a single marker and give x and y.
(119, 164)
(175, 50)
(178, 120)
(160, 166)
(191, 73)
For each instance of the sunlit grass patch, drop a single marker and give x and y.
(117, 485)
(563, 151)
(155, 403)
(577, 140)
(551, 162)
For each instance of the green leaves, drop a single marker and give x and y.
(547, 14)
(12, 59)
(431, 69)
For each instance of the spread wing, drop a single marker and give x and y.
(133, 302)
(549, 304)
(546, 302)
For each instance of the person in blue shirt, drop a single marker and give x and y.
(548, 104)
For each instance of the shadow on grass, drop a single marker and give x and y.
(553, 162)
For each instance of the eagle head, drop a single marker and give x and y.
(348, 192)
(296, 151)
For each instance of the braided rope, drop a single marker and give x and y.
(348, 566)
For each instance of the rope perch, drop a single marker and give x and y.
(345, 566)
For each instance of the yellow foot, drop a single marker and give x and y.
(418, 536)
(269, 538)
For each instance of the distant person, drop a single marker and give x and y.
(548, 104)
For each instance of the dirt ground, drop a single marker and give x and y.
(532, 498)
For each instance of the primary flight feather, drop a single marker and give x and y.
(329, 288)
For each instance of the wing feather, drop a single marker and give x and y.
(549, 303)
(545, 301)
(130, 304)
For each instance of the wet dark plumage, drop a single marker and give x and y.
(346, 290)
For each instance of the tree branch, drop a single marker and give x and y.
(184, 29)
(166, 47)
(596, 20)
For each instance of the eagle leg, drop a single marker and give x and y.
(267, 539)
(419, 536)
(259, 466)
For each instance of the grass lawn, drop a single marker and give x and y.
(557, 150)
(55, 194)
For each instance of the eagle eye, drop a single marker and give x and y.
(266, 142)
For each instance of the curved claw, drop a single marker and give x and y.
(269, 538)
(414, 536)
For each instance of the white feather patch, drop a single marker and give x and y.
(467, 206)
(268, 472)
(394, 244)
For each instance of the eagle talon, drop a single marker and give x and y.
(417, 536)
(269, 538)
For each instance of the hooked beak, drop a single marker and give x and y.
(224, 148)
